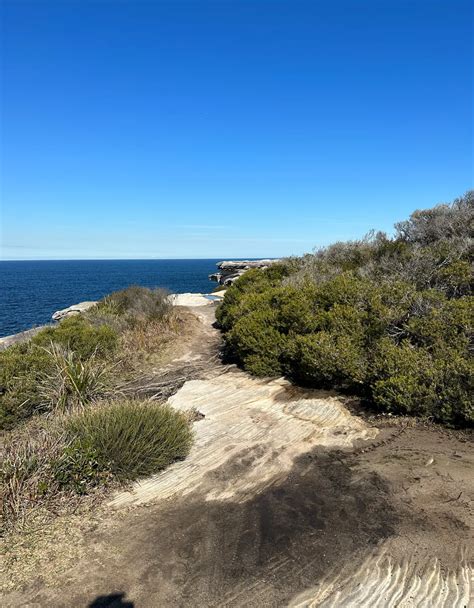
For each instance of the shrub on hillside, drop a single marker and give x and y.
(60, 365)
(77, 334)
(22, 368)
(389, 319)
(136, 304)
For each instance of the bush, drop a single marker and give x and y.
(326, 360)
(22, 368)
(79, 335)
(389, 319)
(36, 378)
(257, 343)
(412, 380)
(136, 304)
(131, 439)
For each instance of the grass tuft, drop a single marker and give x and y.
(132, 438)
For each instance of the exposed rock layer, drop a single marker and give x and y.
(75, 309)
(231, 271)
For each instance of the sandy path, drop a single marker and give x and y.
(287, 499)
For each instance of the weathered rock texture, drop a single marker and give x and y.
(230, 271)
(75, 309)
(22, 336)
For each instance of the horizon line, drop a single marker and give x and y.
(233, 258)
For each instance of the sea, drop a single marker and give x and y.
(31, 291)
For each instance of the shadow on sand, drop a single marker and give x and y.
(113, 600)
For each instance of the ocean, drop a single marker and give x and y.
(30, 291)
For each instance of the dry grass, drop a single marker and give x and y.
(149, 341)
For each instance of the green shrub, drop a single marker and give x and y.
(412, 380)
(136, 304)
(22, 368)
(257, 344)
(325, 360)
(131, 439)
(56, 367)
(390, 319)
(79, 335)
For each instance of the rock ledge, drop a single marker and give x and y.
(230, 271)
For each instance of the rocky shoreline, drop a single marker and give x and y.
(178, 299)
(230, 271)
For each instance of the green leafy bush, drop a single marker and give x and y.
(77, 334)
(55, 368)
(22, 368)
(131, 438)
(389, 319)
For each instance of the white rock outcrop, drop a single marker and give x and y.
(75, 309)
(230, 271)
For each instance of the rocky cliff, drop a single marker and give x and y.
(229, 271)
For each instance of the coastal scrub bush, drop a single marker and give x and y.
(387, 319)
(136, 304)
(77, 334)
(60, 365)
(131, 438)
(22, 368)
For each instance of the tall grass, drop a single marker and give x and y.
(73, 381)
(132, 438)
(52, 462)
(26, 470)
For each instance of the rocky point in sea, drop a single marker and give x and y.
(230, 271)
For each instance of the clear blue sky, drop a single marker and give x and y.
(227, 129)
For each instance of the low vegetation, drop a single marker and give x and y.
(131, 439)
(68, 431)
(54, 461)
(79, 359)
(389, 319)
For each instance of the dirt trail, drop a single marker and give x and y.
(288, 498)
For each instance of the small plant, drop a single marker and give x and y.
(131, 438)
(72, 381)
(51, 462)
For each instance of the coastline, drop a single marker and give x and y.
(178, 299)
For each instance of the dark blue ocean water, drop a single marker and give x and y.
(31, 291)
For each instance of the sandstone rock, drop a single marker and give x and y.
(20, 337)
(75, 309)
(190, 299)
(230, 271)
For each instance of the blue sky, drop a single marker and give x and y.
(151, 129)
